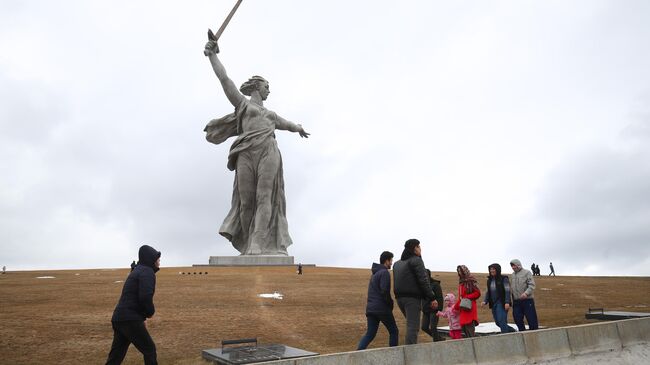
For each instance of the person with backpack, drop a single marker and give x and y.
(133, 308)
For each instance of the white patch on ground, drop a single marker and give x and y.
(546, 289)
(275, 295)
(118, 281)
(46, 277)
(486, 328)
(77, 274)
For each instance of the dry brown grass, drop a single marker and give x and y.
(66, 320)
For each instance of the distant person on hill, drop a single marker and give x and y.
(412, 288)
(134, 307)
(522, 285)
(453, 315)
(537, 272)
(552, 270)
(133, 265)
(429, 317)
(300, 269)
(380, 303)
(497, 296)
(467, 289)
(4, 269)
(532, 268)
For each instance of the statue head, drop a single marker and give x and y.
(255, 83)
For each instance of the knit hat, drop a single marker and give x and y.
(515, 262)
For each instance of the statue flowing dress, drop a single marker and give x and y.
(260, 225)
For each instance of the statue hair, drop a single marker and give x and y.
(251, 85)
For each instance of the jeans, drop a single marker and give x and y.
(524, 308)
(411, 308)
(501, 317)
(131, 332)
(373, 325)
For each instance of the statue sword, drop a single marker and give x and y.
(214, 37)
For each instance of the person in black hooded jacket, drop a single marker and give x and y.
(380, 303)
(134, 307)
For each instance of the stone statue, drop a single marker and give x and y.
(257, 222)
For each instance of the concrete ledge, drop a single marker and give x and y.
(442, 353)
(547, 344)
(594, 337)
(284, 362)
(383, 356)
(493, 349)
(451, 352)
(419, 354)
(632, 332)
(634, 355)
(623, 342)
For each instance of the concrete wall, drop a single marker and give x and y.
(616, 343)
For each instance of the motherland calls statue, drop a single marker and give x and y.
(257, 222)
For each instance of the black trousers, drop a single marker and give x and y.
(131, 332)
(430, 324)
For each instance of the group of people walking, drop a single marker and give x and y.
(536, 272)
(419, 297)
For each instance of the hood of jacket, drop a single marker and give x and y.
(148, 256)
(377, 267)
(516, 263)
(450, 298)
(496, 267)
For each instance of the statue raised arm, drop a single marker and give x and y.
(233, 95)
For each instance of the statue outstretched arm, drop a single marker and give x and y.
(229, 87)
(283, 124)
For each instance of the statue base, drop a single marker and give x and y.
(250, 260)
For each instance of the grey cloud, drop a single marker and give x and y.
(594, 209)
(30, 111)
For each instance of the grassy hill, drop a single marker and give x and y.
(66, 319)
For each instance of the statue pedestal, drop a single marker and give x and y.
(250, 260)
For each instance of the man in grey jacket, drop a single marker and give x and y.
(522, 286)
(412, 288)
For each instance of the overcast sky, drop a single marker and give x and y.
(488, 130)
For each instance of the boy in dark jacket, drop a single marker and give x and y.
(380, 303)
(134, 307)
